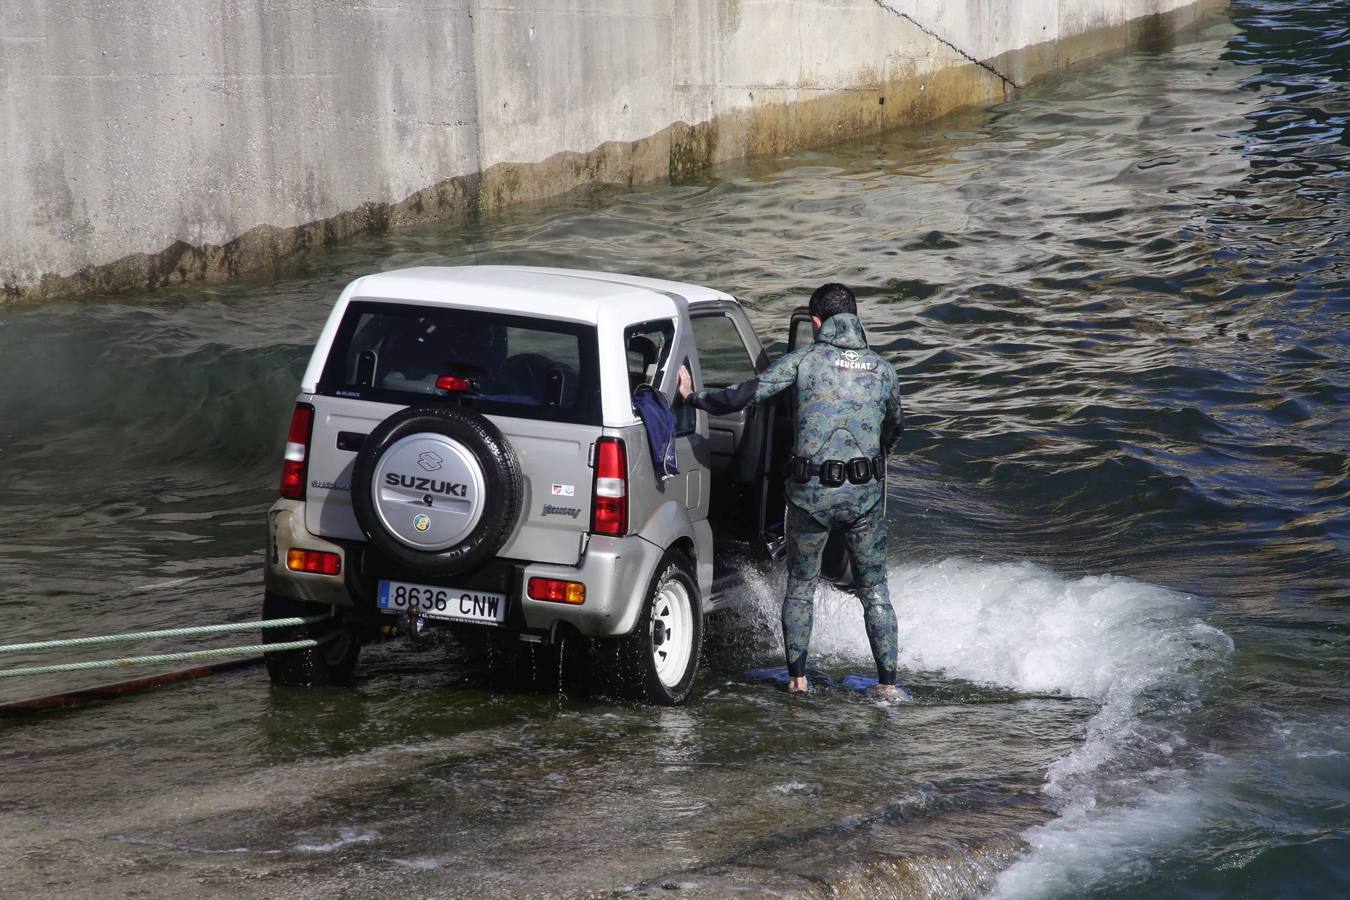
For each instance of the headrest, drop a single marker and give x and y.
(644, 347)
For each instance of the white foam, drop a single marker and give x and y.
(421, 863)
(345, 837)
(1074, 853)
(1137, 649)
(1286, 782)
(1020, 625)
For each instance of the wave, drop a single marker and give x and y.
(1139, 651)
(108, 409)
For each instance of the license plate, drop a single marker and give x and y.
(460, 604)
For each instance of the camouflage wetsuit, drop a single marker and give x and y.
(848, 406)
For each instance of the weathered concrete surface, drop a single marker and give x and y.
(188, 139)
(147, 142)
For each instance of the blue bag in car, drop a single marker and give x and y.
(659, 420)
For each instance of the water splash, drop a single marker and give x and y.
(1138, 650)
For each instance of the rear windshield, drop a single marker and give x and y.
(509, 365)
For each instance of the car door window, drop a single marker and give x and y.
(722, 354)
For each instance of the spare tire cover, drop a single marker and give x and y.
(437, 489)
(427, 490)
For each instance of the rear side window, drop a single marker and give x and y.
(647, 347)
(512, 365)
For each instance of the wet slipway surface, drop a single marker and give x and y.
(1119, 539)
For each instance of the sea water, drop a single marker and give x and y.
(1119, 538)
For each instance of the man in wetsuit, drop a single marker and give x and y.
(848, 417)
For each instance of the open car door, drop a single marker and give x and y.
(746, 448)
(801, 331)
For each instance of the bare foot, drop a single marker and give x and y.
(886, 692)
(798, 685)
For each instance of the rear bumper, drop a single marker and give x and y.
(286, 530)
(616, 572)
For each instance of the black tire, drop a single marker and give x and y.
(332, 662)
(503, 487)
(647, 677)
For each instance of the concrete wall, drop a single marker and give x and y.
(145, 142)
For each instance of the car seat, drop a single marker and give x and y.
(431, 348)
(646, 353)
(416, 358)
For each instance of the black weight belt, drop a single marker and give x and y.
(834, 472)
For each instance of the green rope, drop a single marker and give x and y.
(166, 633)
(160, 658)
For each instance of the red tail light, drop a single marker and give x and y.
(453, 383)
(317, 561)
(556, 591)
(295, 467)
(609, 503)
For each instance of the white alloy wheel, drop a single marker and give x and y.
(657, 660)
(672, 632)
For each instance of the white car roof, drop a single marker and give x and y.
(574, 294)
(607, 300)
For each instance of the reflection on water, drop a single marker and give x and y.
(1119, 538)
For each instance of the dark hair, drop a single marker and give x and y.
(832, 298)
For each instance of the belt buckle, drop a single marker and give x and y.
(859, 470)
(800, 470)
(833, 472)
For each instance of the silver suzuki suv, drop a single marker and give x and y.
(465, 451)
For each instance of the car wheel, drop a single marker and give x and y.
(333, 661)
(664, 649)
(437, 489)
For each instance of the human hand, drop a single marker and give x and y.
(684, 382)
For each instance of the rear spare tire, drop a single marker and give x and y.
(437, 489)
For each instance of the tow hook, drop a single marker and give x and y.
(417, 630)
